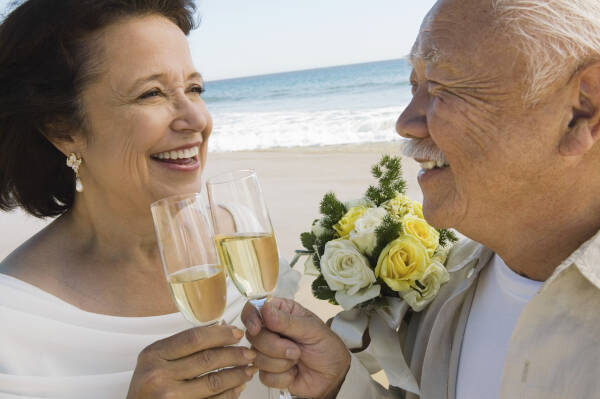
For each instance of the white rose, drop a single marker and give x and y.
(363, 235)
(345, 269)
(359, 202)
(317, 228)
(434, 276)
(349, 301)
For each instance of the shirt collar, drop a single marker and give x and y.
(587, 260)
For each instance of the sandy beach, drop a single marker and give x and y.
(293, 180)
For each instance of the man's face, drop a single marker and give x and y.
(468, 85)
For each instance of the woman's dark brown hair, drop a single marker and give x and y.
(46, 54)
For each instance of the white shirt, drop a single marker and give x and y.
(500, 296)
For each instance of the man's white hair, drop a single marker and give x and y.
(557, 37)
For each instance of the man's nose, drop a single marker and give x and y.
(412, 123)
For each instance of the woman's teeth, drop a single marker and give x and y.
(432, 164)
(180, 154)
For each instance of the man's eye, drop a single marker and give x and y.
(413, 87)
(150, 94)
(197, 89)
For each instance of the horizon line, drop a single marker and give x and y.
(303, 70)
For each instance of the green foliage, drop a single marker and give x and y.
(308, 240)
(447, 237)
(386, 232)
(323, 239)
(321, 290)
(317, 261)
(387, 291)
(388, 172)
(332, 209)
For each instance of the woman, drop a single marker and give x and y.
(95, 94)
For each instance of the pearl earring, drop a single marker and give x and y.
(74, 161)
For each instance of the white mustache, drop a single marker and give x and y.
(423, 149)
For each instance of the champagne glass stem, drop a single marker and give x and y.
(283, 393)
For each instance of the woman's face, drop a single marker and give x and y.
(147, 125)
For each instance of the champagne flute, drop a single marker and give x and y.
(190, 260)
(247, 244)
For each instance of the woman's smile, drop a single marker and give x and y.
(184, 158)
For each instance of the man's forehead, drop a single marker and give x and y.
(450, 29)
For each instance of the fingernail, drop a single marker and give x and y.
(249, 354)
(239, 389)
(250, 371)
(292, 353)
(237, 333)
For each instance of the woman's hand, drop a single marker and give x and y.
(169, 368)
(312, 361)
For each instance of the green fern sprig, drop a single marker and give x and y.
(332, 210)
(388, 173)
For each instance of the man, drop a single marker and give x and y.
(507, 94)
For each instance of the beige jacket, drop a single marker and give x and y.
(554, 351)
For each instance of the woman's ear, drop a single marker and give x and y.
(584, 127)
(64, 137)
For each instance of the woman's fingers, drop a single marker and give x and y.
(279, 380)
(274, 346)
(194, 340)
(210, 360)
(217, 383)
(273, 365)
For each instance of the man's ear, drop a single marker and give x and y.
(64, 137)
(584, 127)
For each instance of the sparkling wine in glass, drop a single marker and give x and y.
(245, 238)
(190, 259)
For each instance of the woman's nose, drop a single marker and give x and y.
(412, 123)
(191, 117)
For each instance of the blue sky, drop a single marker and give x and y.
(252, 37)
(242, 37)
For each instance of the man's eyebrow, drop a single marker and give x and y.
(430, 55)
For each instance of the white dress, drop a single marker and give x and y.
(51, 349)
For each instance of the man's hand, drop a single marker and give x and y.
(296, 350)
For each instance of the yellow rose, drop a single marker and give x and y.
(420, 229)
(402, 262)
(401, 205)
(346, 223)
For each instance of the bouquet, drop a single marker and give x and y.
(376, 247)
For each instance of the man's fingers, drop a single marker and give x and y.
(193, 340)
(213, 384)
(287, 318)
(231, 394)
(273, 365)
(279, 380)
(251, 319)
(273, 345)
(209, 360)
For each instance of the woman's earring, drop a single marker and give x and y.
(73, 161)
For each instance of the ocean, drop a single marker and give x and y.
(336, 105)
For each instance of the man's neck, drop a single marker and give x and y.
(535, 250)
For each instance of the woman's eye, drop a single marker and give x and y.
(150, 94)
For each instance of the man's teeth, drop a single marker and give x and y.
(180, 154)
(427, 165)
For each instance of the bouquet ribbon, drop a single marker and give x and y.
(385, 351)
